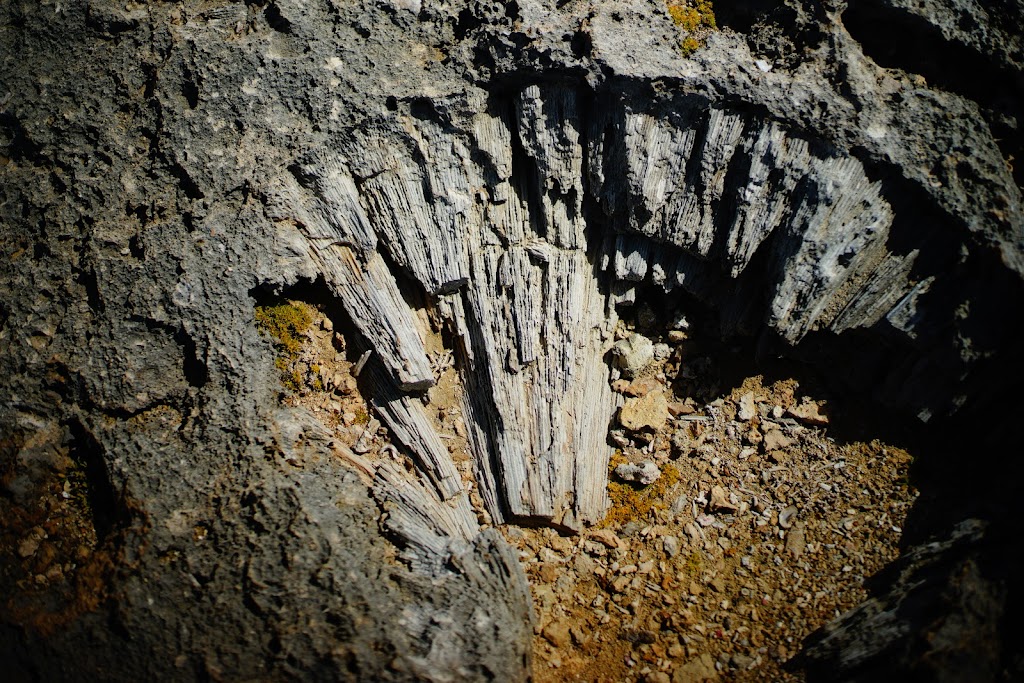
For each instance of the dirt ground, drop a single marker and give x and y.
(758, 532)
(759, 528)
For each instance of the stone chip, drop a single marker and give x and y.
(645, 412)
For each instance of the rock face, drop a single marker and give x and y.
(958, 595)
(518, 169)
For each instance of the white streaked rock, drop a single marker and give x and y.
(838, 229)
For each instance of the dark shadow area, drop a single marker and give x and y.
(964, 467)
(742, 16)
(91, 479)
(193, 367)
(773, 28)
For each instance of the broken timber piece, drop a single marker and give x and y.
(774, 165)
(718, 186)
(839, 229)
(432, 529)
(884, 288)
(371, 298)
(359, 278)
(538, 396)
(332, 202)
(549, 132)
(407, 420)
(423, 210)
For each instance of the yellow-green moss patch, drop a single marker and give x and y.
(286, 323)
(635, 502)
(696, 18)
(692, 16)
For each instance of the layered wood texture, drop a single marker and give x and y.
(525, 226)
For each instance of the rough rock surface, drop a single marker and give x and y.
(956, 595)
(521, 170)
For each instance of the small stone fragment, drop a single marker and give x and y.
(633, 354)
(796, 541)
(681, 504)
(579, 636)
(786, 516)
(344, 384)
(606, 538)
(556, 633)
(701, 668)
(742, 662)
(810, 413)
(646, 412)
(719, 500)
(549, 555)
(775, 440)
(619, 438)
(620, 584)
(562, 544)
(28, 547)
(645, 473)
(642, 387)
(620, 385)
(548, 573)
(705, 520)
(670, 544)
(584, 565)
(677, 408)
(747, 407)
(365, 441)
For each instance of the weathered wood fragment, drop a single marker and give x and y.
(548, 125)
(409, 423)
(330, 208)
(884, 288)
(365, 286)
(776, 163)
(537, 386)
(371, 298)
(838, 229)
(421, 202)
(658, 151)
(696, 219)
(431, 529)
